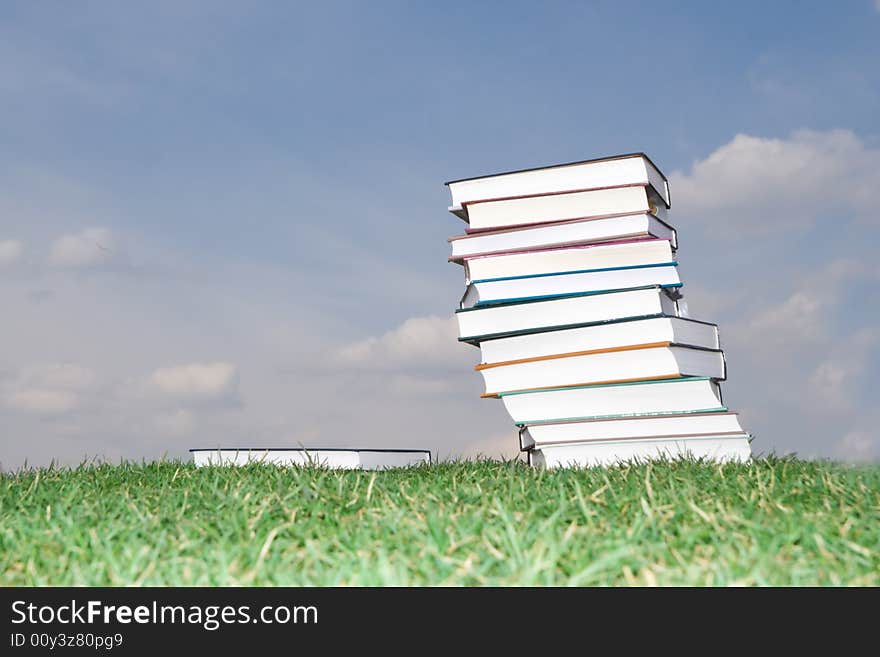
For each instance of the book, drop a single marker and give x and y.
(557, 260)
(626, 428)
(601, 336)
(631, 168)
(562, 233)
(343, 459)
(541, 286)
(676, 396)
(642, 362)
(717, 448)
(562, 206)
(484, 322)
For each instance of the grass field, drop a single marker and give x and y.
(775, 521)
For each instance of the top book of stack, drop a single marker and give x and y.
(632, 170)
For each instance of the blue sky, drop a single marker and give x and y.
(264, 182)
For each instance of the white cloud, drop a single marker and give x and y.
(48, 389)
(754, 185)
(424, 385)
(42, 401)
(802, 310)
(877, 5)
(418, 343)
(834, 382)
(67, 376)
(799, 355)
(800, 319)
(411, 386)
(89, 247)
(10, 251)
(177, 424)
(196, 381)
(859, 445)
(828, 383)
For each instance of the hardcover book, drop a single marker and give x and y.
(542, 286)
(669, 425)
(484, 322)
(561, 233)
(681, 395)
(556, 260)
(629, 169)
(562, 206)
(613, 334)
(717, 448)
(342, 459)
(643, 362)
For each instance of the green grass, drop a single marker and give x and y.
(775, 521)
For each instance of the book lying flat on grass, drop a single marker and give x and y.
(625, 428)
(344, 459)
(691, 394)
(641, 362)
(601, 336)
(562, 206)
(629, 169)
(717, 448)
(564, 233)
(484, 322)
(556, 260)
(521, 288)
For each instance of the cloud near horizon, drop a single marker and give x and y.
(196, 382)
(787, 271)
(758, 186)
(47, 389)
(144, 378)
(417, 343)
(10, 252)
(89, 247)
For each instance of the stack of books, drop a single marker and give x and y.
(574, 299)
